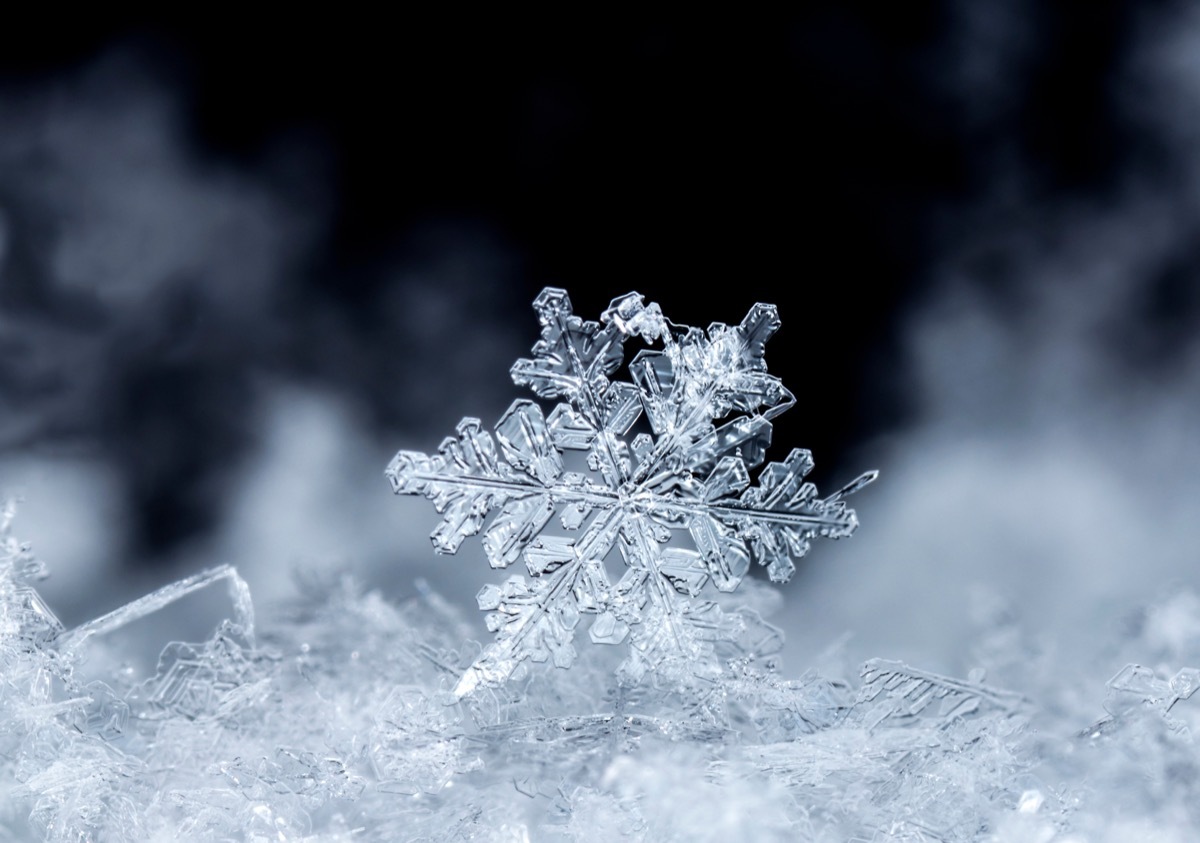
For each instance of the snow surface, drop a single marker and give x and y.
(337, 721)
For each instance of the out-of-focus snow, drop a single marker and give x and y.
(1055, 364)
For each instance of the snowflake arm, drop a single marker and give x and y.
(536, 621)
(470, 476)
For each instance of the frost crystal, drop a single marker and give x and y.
(706, 403)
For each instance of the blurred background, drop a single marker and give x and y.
(243, 262)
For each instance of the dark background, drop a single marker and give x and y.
(977, 219)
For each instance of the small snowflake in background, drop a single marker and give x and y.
(683, 473)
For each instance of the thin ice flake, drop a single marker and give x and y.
(706, 402)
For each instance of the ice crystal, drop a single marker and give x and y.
(707, 401)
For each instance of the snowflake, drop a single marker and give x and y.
(684, 473)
